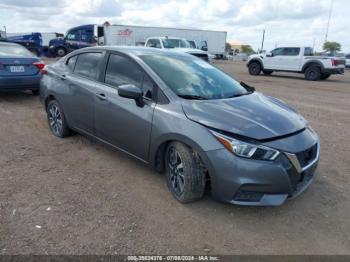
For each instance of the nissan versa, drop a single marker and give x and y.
(186, 118)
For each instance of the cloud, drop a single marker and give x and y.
(287, 21)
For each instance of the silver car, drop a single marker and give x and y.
(186, 118)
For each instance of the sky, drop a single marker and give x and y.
(287, 22)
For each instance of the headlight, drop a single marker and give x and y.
(246, 150)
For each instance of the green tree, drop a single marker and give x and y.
(228, 47)
(247, 49)
(332, 47)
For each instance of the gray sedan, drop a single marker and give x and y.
(186, 118)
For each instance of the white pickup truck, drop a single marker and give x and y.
(298, 60)
(176, 44)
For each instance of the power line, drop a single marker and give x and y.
(329, 20)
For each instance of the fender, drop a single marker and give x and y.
(158, 147)
(259, 60)
(312, 62)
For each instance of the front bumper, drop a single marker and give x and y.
(258, 183)
(20, 82)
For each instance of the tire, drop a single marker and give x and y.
(325, 76)
(184, 173)
(56, 119)
(267, 72)
(255, 68)
(312, 73)
(35, 92)
(61, 52)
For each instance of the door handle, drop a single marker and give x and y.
(101, 96)
(63, 77)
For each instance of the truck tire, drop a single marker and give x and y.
(313, 73)
(61, 52)
(184, 173)
(325, 76)
(255, 68)
(267, 72)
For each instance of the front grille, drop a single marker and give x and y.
(307, 156)
(202, 56)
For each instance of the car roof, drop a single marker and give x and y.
(137, 51)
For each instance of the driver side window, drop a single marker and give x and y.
(73, 35)
(278, 52)
(153, 43)
(121, 70)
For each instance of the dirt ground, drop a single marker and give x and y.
(75, 196)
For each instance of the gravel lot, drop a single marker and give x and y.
(75, 196)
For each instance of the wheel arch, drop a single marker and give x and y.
(157, 151)
(312, 63)
(258, 60)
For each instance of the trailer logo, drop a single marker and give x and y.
(126, 32)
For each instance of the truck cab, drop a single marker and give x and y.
(298, 60)
(175, 44)
(76, 38)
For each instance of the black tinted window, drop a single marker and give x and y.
(71, 62)
(348, 57)
(308, 51)
(292, 51)
(121, 70)
(87, 65)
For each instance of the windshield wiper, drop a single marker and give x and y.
(193, 97)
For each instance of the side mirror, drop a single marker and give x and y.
(269, 54)
(132, 92)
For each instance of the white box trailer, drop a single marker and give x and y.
(127, 35)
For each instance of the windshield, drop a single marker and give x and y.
(175, 43)
(13, 50)
(190, 77)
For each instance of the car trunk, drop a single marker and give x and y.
(21, 66)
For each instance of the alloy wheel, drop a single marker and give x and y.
(176, 169)
(55, 120)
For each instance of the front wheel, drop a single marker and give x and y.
(61, 52)
(57, 121)
(184, 173)
(255, 68)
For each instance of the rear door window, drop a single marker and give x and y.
(291, 51)
(87, 65)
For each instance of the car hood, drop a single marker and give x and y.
(188, 50)
(255, 116)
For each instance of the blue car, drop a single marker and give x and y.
(19, 68)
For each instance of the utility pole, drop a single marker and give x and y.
(263, 40)
(329, 20)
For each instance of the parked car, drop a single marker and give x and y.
(185, 117)
(176, 44)
(347, 63)
(19, 68)
(298, 60)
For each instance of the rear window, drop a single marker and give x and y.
(14, 50)
(87, 65)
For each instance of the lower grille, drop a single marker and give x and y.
(307, 156)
